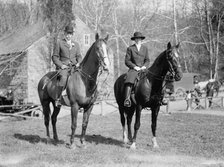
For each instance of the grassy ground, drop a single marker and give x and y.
(184, 139)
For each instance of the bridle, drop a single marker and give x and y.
(100, 64)
(102, 58)
(171, 69)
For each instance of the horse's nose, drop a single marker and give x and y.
(105, 68)
(107, 64)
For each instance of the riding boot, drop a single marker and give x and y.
(162, 100)
(58, 97)
(127, 101)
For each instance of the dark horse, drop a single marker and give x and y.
(212, 87)
(81, 89)
(217, 84)
(147, 93)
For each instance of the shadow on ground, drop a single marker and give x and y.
(37, 139)
(98, 139)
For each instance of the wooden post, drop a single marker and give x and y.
(188, 99)
(221, 101)
(206, 103)
(168, 107)
(101, 104)
(189, 104)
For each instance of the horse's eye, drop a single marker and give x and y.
(169, 55)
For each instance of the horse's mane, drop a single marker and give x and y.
(158, 59)
(87, 55)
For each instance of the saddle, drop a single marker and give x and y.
(70, 70)
(139, 77)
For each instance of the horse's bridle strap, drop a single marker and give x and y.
(156, 76)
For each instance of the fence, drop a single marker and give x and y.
(110, 105)
(20, 110)
(203, 103)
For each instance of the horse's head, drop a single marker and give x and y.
(172, 56)
(102, 51)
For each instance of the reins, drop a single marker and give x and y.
(163, 78)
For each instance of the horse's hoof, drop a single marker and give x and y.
(48, 141)
(56, 139)
(155, 146)
(126, 141)
(133, 146)
(154, 142)
(71, 146)
(83, 146)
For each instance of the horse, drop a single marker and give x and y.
(210, 87)
(202, 86)
(81, 89)
(148, 93)
(217, 84)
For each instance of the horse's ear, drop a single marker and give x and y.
(97, 36)
(107, 37)
(168, 46)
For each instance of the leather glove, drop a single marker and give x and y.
(77, 65)
(143, 67)
(64, 67)
(137, 68)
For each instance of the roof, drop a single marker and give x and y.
(6, 72)
(21, 38)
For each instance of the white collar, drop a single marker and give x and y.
(138, 46)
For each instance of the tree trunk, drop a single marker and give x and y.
(175, 21)
(217, 48)
(210, 37)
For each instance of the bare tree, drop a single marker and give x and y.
(210, 32)
(94, 12)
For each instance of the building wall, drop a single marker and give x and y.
(37, 67)
(81, 31)
(19, 82)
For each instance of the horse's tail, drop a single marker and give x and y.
(42, 85)
(118, 89)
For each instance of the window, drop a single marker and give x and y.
(87, 39)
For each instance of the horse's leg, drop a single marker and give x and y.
(122, 118)
(85, 121)
(54, 120)
(46, 112)
(210, 102)
(74, 114)
(155, 112)
(217, 92)
(130, 114)
(137, 125)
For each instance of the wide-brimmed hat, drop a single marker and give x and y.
(137, 35)
(69, 29)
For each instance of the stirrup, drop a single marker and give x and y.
(127, 103)
(163, 102)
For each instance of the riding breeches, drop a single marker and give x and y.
(131, 76)
(63, 75)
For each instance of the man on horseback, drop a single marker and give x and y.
(66, 53)
(136, 59)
